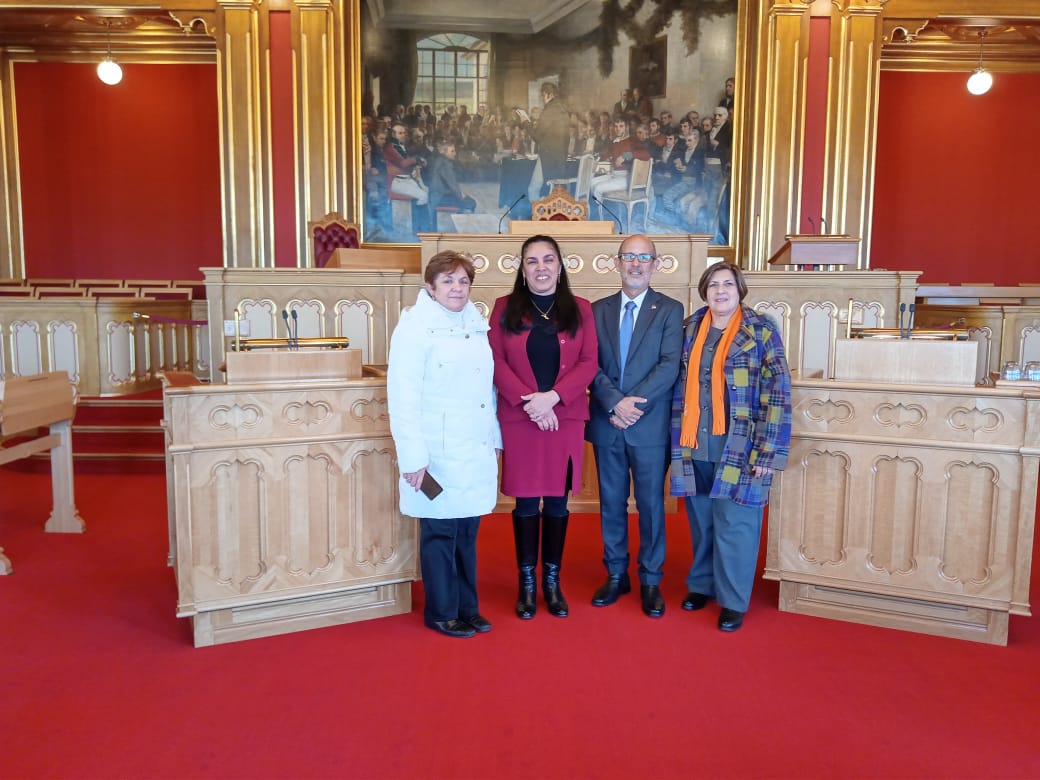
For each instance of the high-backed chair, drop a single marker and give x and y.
(330, 233)
(582, 187)
(638, 191)
(567, 182)
(559, 205)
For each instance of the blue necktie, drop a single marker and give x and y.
(625, 338)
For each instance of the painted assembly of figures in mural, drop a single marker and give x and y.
(453, 160)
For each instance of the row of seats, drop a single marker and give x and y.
(157, 289)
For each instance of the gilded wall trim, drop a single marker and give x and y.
(323, 139)
(852, 97)
(245, 134)
(12, 254)
(774, 176)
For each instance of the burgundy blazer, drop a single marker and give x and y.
(514, 377)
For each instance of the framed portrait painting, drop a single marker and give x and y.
(469, 112)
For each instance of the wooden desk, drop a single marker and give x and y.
(908, 506)
(284, 508)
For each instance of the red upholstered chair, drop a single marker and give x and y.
(559, 205)
(330, 233)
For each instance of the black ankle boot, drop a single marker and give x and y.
(553, 537)
(525, 534)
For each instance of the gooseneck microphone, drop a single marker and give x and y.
(519, 198)
(296, 330)
(288, 330)
(812, 224)
(603, 207)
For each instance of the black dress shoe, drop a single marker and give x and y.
(456, 628)
(694, 601)
(730, 619)
(478, 623)
(610, 591)
(653, 602)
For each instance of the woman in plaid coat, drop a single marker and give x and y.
(731, 430)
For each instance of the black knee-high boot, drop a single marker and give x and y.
(554, 533)
(525, 534)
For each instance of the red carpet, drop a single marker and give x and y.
(100, 680)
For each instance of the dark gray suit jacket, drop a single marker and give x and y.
(651, 370)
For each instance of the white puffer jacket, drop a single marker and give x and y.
(441, 398)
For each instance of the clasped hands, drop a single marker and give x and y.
(626, 413)
(539, 408)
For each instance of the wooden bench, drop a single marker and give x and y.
(29, 403)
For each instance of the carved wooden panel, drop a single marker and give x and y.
(919, 496)
(283, 499)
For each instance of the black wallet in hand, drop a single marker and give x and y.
(430, 487)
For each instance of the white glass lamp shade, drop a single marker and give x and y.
(980, 81)
(109, 72)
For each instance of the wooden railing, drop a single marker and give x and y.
(111, 336)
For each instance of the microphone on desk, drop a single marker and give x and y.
(519, 198)
(603, 207)
(823, 223)
(296, 330)
(288, 330)
(812, 224)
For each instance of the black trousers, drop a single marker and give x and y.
(449, 567)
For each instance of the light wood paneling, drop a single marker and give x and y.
(908, 506)
(283, 507)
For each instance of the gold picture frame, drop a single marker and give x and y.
(517, 65)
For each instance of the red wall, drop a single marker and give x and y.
(283, 163)
(955, 188)
(815, 124)
(119, 182)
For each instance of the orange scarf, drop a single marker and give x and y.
(691, 404)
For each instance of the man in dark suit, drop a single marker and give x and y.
(630, 418)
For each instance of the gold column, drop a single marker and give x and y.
(325, 101)
(781, 40)
(245, 133)
(12, 256)
(852, 119)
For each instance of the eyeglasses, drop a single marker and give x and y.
(632, 257)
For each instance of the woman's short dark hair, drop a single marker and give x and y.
(722, 265)
(519, 306)
(446, 262)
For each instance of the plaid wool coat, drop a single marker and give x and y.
(758, 383)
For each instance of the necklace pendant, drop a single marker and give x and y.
(545, 315)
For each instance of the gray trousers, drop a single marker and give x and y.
(725, 545)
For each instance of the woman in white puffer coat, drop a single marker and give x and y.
(441, 399)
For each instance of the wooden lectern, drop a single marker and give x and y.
(909, 497)
(282, 491)
(28, 403)
(816, 253)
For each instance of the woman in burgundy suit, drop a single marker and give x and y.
(543, 339)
